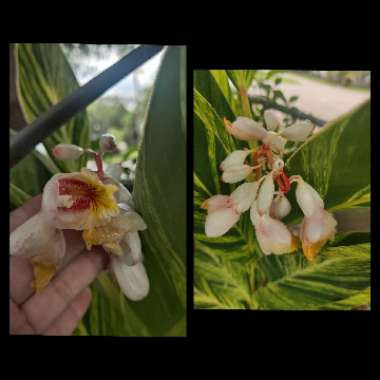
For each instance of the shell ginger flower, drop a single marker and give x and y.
(97, 205)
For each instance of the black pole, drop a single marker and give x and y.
(59, 114)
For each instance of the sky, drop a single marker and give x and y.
(125, 88)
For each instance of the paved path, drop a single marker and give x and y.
(322, 100)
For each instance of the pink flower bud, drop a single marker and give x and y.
(308, 199)
(107, 143)
(235, 158)
(265, 195)
(67, 152)
(236, 173)
(315, 231)
(272, 235)
(246, 129)
(280, 207)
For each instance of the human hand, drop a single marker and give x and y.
(58, 309)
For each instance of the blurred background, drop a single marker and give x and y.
(119, 111)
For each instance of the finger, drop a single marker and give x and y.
(21, 271)
(42, 309)
(18, 322)
(23, 213)
(69, 319)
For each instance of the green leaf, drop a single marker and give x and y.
(231, 271)
(160, 195)
(340, 274)
(45, 77)
(17, 196)
(293, 98)
(241, 79)
(336, 161)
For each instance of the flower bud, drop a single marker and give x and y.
(236, 173)
(315, 231)
(133, 280)
(107, 143)
(280, 207)
(235, 158)
(275, 141)
(272, 235)
(298, 131)
(271, 120)
(265, 196)
(220, 221)
(308, 199)
(246, 129)
(244, 195)
(67, 151)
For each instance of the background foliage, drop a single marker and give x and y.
(231, 271)
(45, 77)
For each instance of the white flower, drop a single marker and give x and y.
(244, 128)
(265, 195)
(280, 207)
(67, 151)
(298, 131)
(271, 120)
(272, 235)
(223, 211)
(244, 195)
(115, 171)
(220, 221)
(308, 199)
(236, 173)
(235, 158)
(275, 141)
(133, 280)
(315, 231)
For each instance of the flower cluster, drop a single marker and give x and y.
(95, 203)
(268, 205)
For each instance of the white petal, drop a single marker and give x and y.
(280, 207)
(276, 142)
(115, 171)
(254, 215)
(247, 129)
(318, 227)
(308, 199)
(236, 158)
(216, 202)
(130, 221)
(220, 221)
(133, 254)
(236, 173)
(273, 236)
(37, 238)
(133, 280)
(123, 195)
(271, 120)
(244, 195)
(298, 131)
(265, 195)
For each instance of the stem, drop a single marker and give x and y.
(99, 165)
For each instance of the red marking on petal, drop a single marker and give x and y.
(80, 191)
